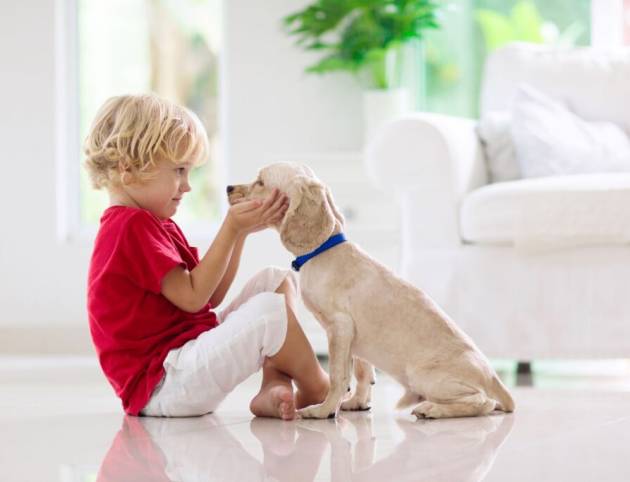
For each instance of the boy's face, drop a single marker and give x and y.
(162, 193)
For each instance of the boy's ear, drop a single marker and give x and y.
(125, 178)
(125, 174)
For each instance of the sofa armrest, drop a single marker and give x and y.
(429, 162)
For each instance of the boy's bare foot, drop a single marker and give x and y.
(315, 393)
(274, 401)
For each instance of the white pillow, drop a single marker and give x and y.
(551, 140)
(493, 130)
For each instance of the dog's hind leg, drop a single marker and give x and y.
(364, 373)
(466, 406)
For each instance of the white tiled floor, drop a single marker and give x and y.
(60, 422)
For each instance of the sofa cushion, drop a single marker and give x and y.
(494, 131)
(592, 81)
(551, 140)
(561, 211)
(540, 136)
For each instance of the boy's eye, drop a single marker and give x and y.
(180, 170)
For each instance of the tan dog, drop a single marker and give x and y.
(372, 316)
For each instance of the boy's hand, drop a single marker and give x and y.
(272, 211)
(252, 216)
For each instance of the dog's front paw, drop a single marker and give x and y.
(355, 404)
(317, 411)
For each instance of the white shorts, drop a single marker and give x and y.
(200, 374)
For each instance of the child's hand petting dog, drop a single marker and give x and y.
(252, 216)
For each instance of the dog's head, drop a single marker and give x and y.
(312, 215)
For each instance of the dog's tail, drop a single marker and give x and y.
(498, 392)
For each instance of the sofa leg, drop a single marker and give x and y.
(524, 376)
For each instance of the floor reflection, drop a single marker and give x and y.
(432, 450)
(177, 449)
(195, 449)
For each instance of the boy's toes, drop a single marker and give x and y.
(286, 408)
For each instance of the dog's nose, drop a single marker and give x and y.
(229, 189)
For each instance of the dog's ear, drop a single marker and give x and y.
(309, 220)
(331, 202)
(335, 209)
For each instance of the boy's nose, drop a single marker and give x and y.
(229, 189)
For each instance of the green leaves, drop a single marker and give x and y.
(523, 24)
(357, 34)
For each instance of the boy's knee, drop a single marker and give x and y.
(285, 280)
(287, 287)
(291, 278)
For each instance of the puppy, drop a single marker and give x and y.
(372, 317)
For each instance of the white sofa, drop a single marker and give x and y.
(468, 243)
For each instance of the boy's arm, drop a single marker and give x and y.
(225, 283)
(191, 290)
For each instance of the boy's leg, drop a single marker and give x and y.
(203, 371)
(295, 361)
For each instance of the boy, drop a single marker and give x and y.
(151, 299)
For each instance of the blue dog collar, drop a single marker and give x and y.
(329, 243)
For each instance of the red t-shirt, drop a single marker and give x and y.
(133, 325)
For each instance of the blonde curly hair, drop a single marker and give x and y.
(130, 133)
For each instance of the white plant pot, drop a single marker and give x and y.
(381, 106)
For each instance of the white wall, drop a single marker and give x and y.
(269, 108)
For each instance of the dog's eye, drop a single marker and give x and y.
(259, 183)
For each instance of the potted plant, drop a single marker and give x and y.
(365, 38)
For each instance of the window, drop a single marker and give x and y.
(470, 29)
(169, 47)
